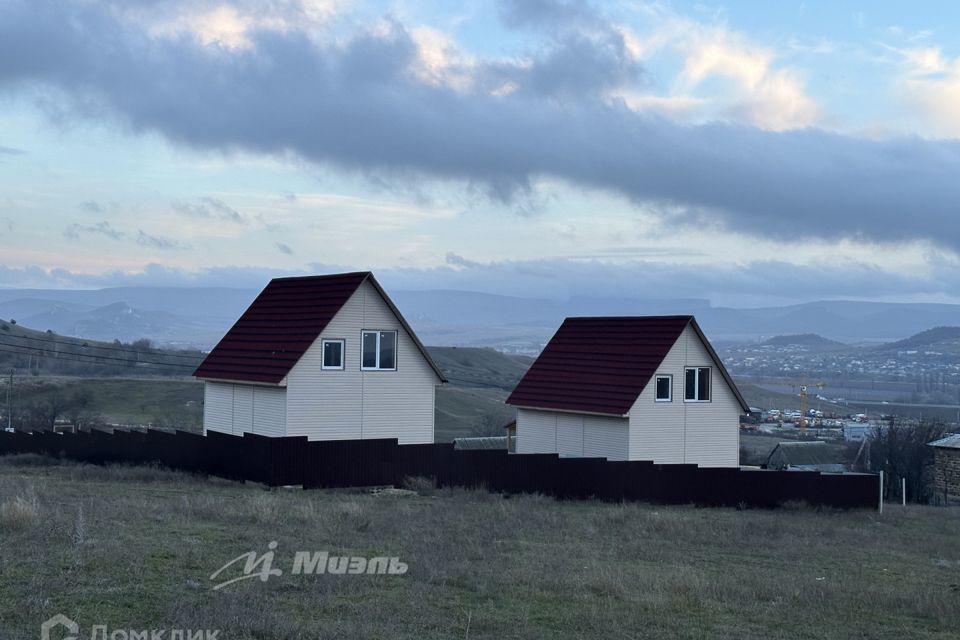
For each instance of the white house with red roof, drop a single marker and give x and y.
(630, 388)
(326, 357)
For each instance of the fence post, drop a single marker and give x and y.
(903, 491)
(881, 492)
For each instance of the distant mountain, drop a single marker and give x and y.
(200, 316)
(938, 339)
(811, 341)
(181, 317)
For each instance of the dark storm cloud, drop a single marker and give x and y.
(354, 104)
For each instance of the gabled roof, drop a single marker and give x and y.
(805, 453)
(601, 365)
(950, 441)
(282, 322)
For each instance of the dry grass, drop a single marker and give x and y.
(135, 548)
(22, 511)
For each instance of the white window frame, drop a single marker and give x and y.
(323, 354)
(696, 384)
(396, 347)
(656, 387)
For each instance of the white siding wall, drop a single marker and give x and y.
(605, 437)
(269, 411)
(536, 431)
(241, 408)
(352, 404)
(704, 433)
(218, 407)
(571, 434)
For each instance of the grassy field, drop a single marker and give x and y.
(134, 548)
(136, 401)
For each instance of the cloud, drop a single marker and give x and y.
(748, 284)
(283, 248)
(11, 151)
(157, 242)
(209, 208)
(930, 85)
(74, 231)
(353, 102)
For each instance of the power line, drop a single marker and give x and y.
(84, 345)
(78, 357)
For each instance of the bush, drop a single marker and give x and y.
(420, 484)
(20, 512)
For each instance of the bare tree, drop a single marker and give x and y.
(900, 450)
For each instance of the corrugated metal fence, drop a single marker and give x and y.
(358, 463)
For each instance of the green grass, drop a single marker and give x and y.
(133, 548)
(123, 400)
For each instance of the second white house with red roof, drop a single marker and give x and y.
(326, 357)
(630, 388)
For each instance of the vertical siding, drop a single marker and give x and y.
(605, 437)
(242, 408)
(351, 404)
(536, 431)
(269, 411)
(218, 407)
(571, 434)
(683, 432)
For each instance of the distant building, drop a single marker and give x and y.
(630, 388)
(814, 455)
(947, 469)
(856, 432)
(326, 357)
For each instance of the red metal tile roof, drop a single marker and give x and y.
(278, 327)
(601, 365)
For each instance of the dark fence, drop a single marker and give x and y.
(359, 463)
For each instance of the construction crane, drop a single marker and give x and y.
(802, 383)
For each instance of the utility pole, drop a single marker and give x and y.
(10, 403)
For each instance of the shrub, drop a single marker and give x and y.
(20, 512)
(420, 484)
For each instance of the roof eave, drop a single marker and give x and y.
(406, 326)
(258, 383)
(590, 413)
(719, 363)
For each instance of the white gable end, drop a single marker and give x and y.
(704, 433)
(352, 403)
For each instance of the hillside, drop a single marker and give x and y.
(479, 381)
(45, 352)
(811, 341)
(944, 339)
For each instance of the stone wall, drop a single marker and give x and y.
(947, 476)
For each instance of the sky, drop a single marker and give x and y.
(748, 153)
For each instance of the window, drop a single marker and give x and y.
(697, 387)
(379, 350)
(332, 354)
(664, 388)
